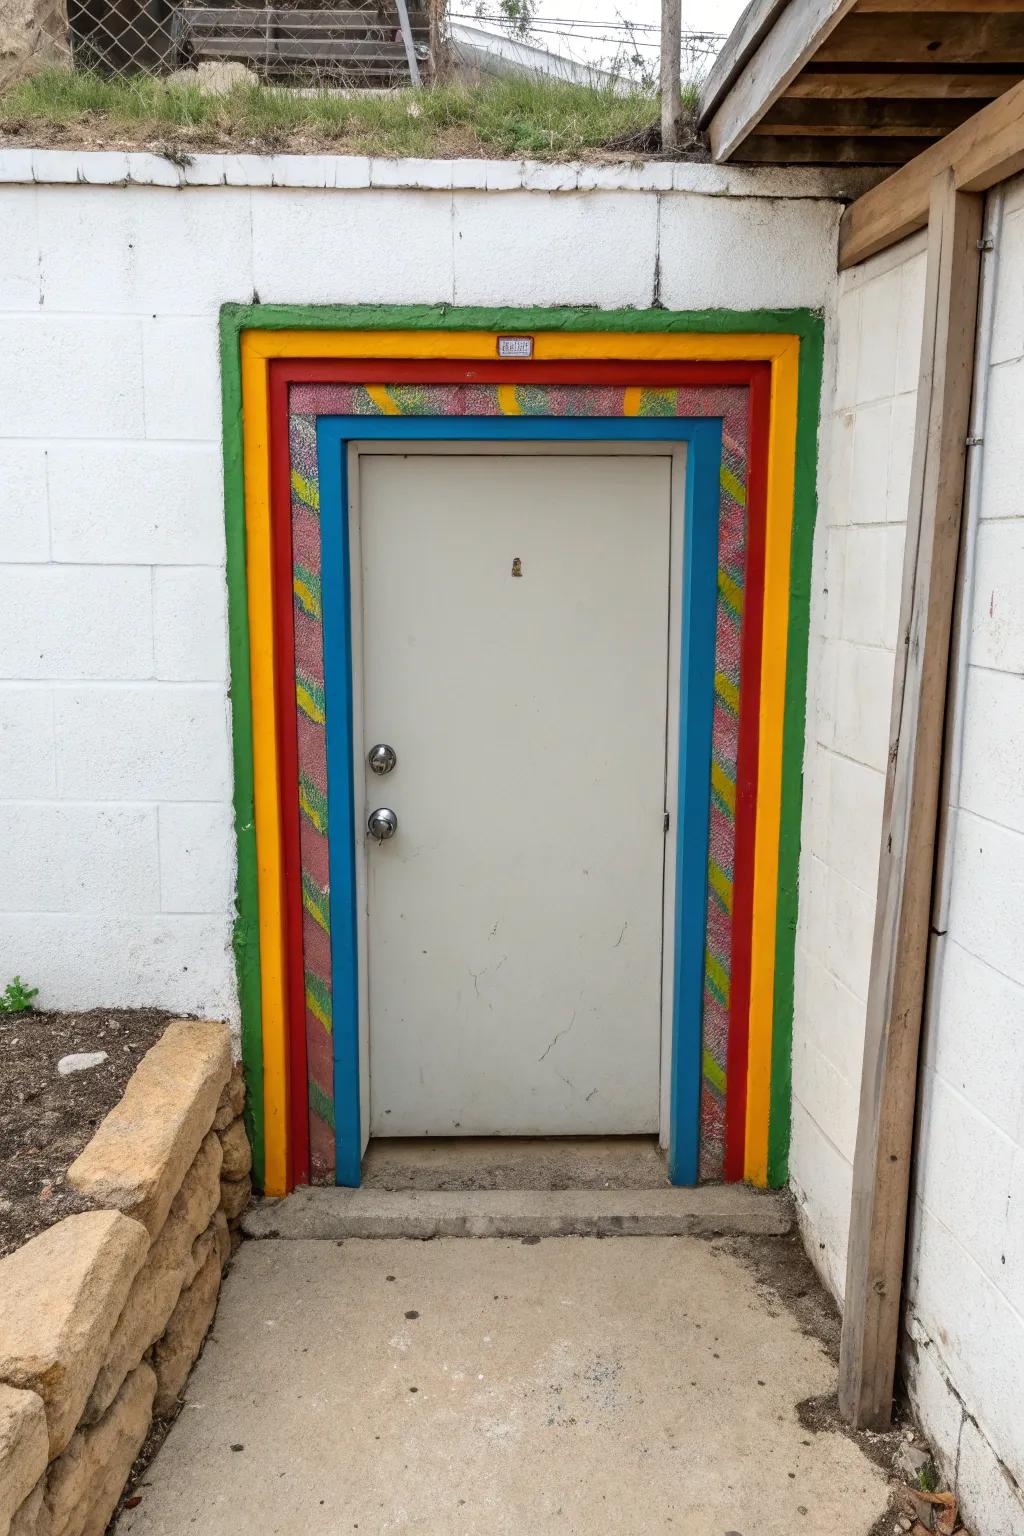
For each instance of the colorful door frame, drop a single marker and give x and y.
(253, 339)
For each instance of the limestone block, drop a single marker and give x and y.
(26, 1521)
(176, 1352)
(24, 1448)
(138, 1158)
(237, 1151)
(168, 1269)
(60, 1297)
(222, 1232)
(232, 1100)
(234, 1197)
(85, 1483)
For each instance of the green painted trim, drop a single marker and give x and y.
(804, 323)
(246, 932)
(805, 506)
(433, 317)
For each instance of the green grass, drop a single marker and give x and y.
(503, 118)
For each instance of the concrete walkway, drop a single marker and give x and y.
(634, 1385)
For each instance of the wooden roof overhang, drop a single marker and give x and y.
(857, 82)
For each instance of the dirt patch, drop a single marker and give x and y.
(46, 1119)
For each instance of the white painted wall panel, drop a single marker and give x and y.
(965, 1316)
(114, 699)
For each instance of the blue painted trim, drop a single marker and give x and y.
(703, 436)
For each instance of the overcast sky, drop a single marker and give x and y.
(593, 29)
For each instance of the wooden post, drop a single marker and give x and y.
(671, 61)
(881, 1170)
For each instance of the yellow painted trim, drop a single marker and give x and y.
(261, 347)
(779, 530)
(270, 883)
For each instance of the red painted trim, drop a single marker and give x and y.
(757, 378)
(746, 778)
(288, 786)
(429, 371)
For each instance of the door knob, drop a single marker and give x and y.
(382, 824)
(382, 758)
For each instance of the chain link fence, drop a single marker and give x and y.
(360, 44)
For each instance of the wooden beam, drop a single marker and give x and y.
(973, 7)
(881, 1170)
(985, 150)
(916, 119)
(746, 36)
(924, 39)
(671, 67)
(869, 85)
(788, 149)
(798, 33)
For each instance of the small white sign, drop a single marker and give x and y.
(515, 346)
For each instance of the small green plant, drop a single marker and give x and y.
(927, 1479)
(16, 997)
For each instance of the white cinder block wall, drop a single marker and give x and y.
(867, 443)
(115, 762)
(964, 1348)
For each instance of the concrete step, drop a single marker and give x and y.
(515, 1162)
(709, 1211)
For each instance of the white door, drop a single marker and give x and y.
(515, 653)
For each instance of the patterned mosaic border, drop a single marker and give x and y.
(307, 403)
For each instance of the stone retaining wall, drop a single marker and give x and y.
(103, 1315)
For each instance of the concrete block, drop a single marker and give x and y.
(89, 960)
(157, 741)
(980, 1020)
(24, 513)
(901, 456)
(91, 366)
(197, 857)
(874, 576)
(1008, 320)
(781, 253)
(24, 1448)
(863, 697)
(992, 782)
(1001, 483)
(817, 780)
(148, 254)
(850, 914)
(181, 376)
(77, 622)
(847, 345)
(146, 503)
(824, 1091)
(963, 1173)
(376, 1213)
(19, 249)
(190, 623)
(990, 1484)
(987, 902)
(63, 1291)
(879, 337)
(138, 1158)
(28, 764)
(593, 249)
(79, 858)
(812, 919)
(823, 692)
(822, 1182)
(833, 1019)
(869, 468)
(310, 249)
(997, 618)
(908, 347)
(855, 822)
(840, 465)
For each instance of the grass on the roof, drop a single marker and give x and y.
(531, 118)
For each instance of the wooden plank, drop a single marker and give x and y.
(787, 149)
(975, 7)
(985, 150)
(917, 119)
(881, 1172)
(671, 61)
(799, 31)
(925, 38)
(746, 36)
(869, 85)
